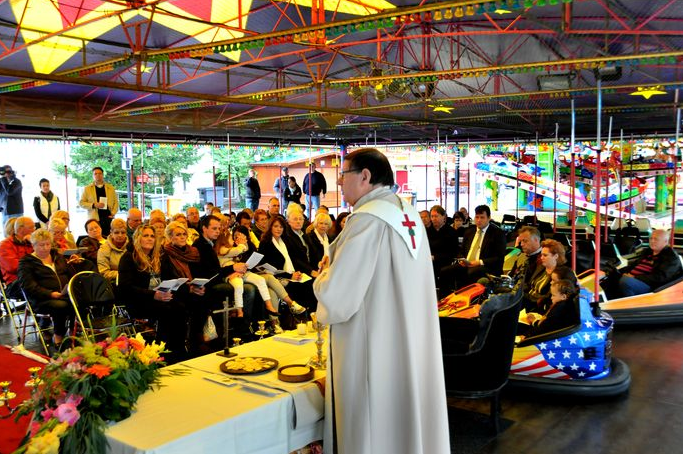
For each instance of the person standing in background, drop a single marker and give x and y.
(45, 203)
(11, 201)
(292, 193)
(253, 190)
(101, 201)
(280, 185)
(314, 184)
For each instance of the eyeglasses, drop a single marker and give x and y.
(344, 172)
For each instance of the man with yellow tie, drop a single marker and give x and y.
(484, 249)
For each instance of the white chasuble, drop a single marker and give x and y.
(385, 388)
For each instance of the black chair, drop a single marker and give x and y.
(477, 354)
(93, 298)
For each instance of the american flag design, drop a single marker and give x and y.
(583, 355)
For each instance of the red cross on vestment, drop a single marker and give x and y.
(409, 224)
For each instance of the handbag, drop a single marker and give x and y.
(209, 331)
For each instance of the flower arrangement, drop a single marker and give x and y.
(83, 389)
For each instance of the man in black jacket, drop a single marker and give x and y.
(658, 265)
(483, 249)
(209, 266)
(314, 184)
(252, 190)
(11, 200)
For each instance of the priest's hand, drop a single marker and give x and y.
(197, 290)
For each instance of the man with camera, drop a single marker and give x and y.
(11, 200)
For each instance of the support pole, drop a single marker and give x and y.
(572, 185)
(142, 177)
(609, 141)
(555, 176)
(596, 289)
(66, 171)
(229, 177)
(674, 201)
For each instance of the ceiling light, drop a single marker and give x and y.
(648, 92)
(554, 82)
(502, 11)
(439, 108)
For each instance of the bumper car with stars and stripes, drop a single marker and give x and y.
(575, 360)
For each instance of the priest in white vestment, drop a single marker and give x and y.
(385, 388)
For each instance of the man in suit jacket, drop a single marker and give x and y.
(528, 263)
(101, 201)
(483, 252)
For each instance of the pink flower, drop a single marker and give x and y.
(73, 399)
(68, 413)
(47, 413)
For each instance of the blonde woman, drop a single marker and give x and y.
(317, 239)
(139, 274)
(57, 228)
(64, 216)
(111, 251)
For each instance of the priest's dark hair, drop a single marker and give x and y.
(373, 160)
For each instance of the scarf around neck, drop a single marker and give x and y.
(181, 259)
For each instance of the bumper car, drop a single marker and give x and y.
(575, 360)
(661, 306)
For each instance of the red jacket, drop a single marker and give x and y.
(11, 251)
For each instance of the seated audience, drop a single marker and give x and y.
(93, 241)
(443, 242)
(192, 214)
(64, 216)
(537, 292)
(9, 227)
(192, 234)
(260, 223)
(111, 251)
(317, 239)
(426, 219)
(44, 275)
(12, 250)
(483, 248)
(244, 219)
(657, 265)
(178, 261)
(276, 251)
(339, 224)
(139, 275)
(528, 264)
(296, 241)
(459, 226)
(561, 313)
(218, 290)
(133, 221)
(57, 228)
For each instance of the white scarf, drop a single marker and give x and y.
(282, 247)
(325, 242)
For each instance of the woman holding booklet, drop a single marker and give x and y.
(275, 251)
(139, 276)
(180, 261)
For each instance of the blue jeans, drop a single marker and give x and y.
(629, 286)
(312, 202)
(252, 204)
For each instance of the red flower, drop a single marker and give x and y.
(99, 370)
(136, 344)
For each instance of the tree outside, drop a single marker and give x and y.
(163, 163)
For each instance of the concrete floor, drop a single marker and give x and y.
(649, 419)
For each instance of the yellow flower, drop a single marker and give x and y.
(60, 428)
(47, 443)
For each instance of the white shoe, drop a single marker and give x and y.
(277, 329)
(296, 308)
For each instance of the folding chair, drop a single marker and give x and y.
(32, 321)
(12, 308)
(94, 304)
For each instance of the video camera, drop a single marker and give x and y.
(4, 171)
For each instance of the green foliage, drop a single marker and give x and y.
(240, 161)
(164, 162)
